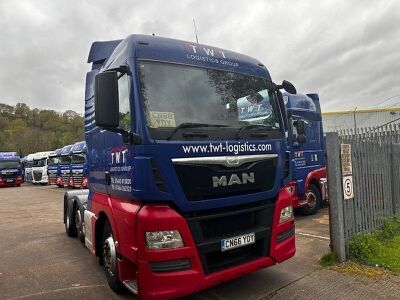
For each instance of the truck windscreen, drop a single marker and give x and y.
(65, 160)
(39, 162)
(78, 158)
(53, 161)
(182, 102)
(9, 164)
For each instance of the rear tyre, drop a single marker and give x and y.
(109, 258)
(70, 227)
(314, 201)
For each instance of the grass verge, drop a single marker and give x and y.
(380, 248)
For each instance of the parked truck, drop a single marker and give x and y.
(79, 166)
(10, 169)
(39, 168)
(28, 168)
(307, 151)
(65, 166)
(188, 167)
(53, 168)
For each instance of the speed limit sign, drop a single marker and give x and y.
(348, 192)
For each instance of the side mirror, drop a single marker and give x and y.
(301, 127)
(106, 99)
(301, 138)
(289, 87)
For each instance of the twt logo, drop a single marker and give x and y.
(207, 51)
(243, 178)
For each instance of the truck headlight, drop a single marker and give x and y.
(286, 214)
(167, 239)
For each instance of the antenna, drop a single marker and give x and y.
(195, 31)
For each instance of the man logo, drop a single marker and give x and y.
(232, 160)
(243, 178)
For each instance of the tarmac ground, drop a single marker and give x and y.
(39, 261)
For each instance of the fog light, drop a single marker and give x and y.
(286, 214)
(168, 239)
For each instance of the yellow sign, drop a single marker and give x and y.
(162, 119)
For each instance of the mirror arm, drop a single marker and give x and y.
(128, 137)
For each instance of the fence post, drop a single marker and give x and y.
(336, 218)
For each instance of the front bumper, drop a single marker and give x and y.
(158, 283)
(15, 182)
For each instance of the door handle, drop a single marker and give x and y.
(107, 178)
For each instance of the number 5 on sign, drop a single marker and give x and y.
(348, 187)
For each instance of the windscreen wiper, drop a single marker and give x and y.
(192, 125)
(252, 126)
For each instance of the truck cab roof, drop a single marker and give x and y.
(305, 105)
(79, 147)
(66, 150)
(55, 153)
(41, 155)
(9, 156)
(113, 54)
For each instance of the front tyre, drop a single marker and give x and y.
(313, 201)
(109, 259)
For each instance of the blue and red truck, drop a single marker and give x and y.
(189, 172)
(10, 169)
(65, 166)
(79, 166)
(307, 149)
(53, 166)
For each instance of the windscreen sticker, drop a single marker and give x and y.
(162, 119)
(254, 107)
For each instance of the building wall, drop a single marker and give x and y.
(339, 120)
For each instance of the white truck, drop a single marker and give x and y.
(39, 168)
(28, 167)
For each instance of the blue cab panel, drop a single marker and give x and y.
(174, 164)
(10, 169)
(65, 164)
(79, 165)
(53, 166)
(310, 155)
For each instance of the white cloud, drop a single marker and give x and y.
(347, 51)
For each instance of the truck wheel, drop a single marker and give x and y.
(70, 227)
(79, 224)
(109, 258)
(314, 201)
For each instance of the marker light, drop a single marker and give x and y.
(286, 214)
(168, 239)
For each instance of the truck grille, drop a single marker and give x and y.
(65, 177)
(37, 175)
(197, 179)
(208, 228)
(77, 179)
(52, 176)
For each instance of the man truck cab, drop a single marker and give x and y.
(187, 167)
(53, 168)
(79, 166)
(28, 168)
(10, 169)
(307, 151)
(65, 166)
(39, 168)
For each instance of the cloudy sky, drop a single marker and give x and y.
(347, 51)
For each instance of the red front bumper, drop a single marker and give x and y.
(166, 285)
(16, 182)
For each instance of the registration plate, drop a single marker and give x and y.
(238, 241)
(10, 180)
